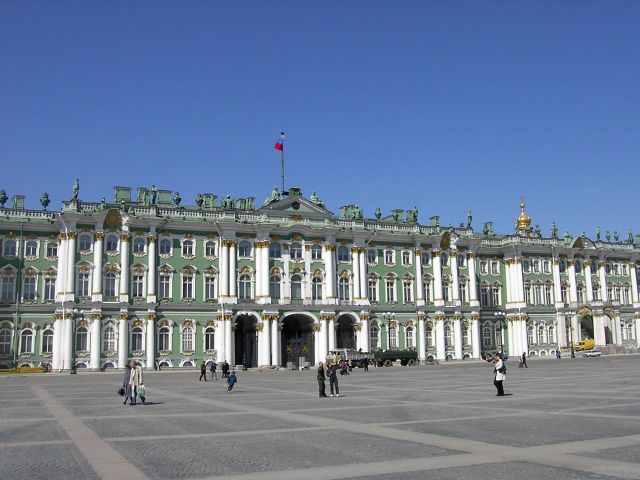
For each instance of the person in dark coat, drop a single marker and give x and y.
(321, 379)
(125, 382)
(203, 372)
(231, 381)
(332, 371)
(213, 368)
(365, 363)
(225, 369)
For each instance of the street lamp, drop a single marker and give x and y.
(499, 315)
(573, 352)
(73, 340)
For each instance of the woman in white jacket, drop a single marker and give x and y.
(135, 380)
(500, 372)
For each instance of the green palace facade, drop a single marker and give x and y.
(171, 285)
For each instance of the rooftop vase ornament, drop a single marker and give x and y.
(3, 198)
(76, 189)
(44, 200)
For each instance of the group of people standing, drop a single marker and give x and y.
(232, 379)
(332, 374)
(132, 383)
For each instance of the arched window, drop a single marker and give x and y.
(5, 340)
(244, 249)
(295, 251)
(187, 248)
(343, 288)
(552, 334)
(245, 286)
(487, 336)
(448, 336)
(393, 337)
(82, 336)
(187, 339)
(425, 258)
(111, 243)
(31, 248)
(426, 288)
(316, 288)
(406, 258)
(428, 337)
(47, 341)
(9, 247)
(296, 287)
(407, 290)
(136, 339)
(374, 338)
(275, 251)
(390, 288)
(343, 253)
(372, 255)
(274, 287)
(531, 338)
(316, 252)
(372, 288)
(164, 247)
(139, 244)
(209, 337)
(410, 339)
(52, 249)
(84, 242)
(210, 248)
(389, 257)
(109, 339)
(541, 335)
(495, 294)
(26, 341)
(163, 339)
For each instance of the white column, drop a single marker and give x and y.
(96, 288)
(573, 291)
(56, 358)
(603, 281)
(233, 281)
(258, 255)
(473, 281)
(70, 259)
(557, 282)
(355, 265)
(364, 333)
(266, 341)
(265, 271)
(124, 268)
(453, 259)
(587, 279)
(563, 341)
(218, 339)
(598, 330)
(316, 344)
(95, 342)
(332, 332)
(363, 275)
(419, 280)
(151, 341)
(61, 278)
(457, 335)
(475, 337)
(440, 350)
(617, 335)
(422, 339)
(68, 333)
(228, 337)
(519, 280)
(275, 343)
(637, 325)
(437, 279)
(328, 256)
(323, 338)
(634, 284)
(152, 273)
(509, 280)
(123, 340)
(224, 270)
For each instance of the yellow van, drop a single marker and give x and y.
(587, 344)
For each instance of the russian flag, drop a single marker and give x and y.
(279, 146)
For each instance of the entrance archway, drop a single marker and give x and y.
(586, 327)
(608, 330)
(297, 340)
(246, 340)
(346, 333)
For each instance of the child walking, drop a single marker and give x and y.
(232, 380)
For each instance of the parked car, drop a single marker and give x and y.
(591, 353)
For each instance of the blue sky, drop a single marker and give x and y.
(447, 106)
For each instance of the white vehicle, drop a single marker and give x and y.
(591, 353)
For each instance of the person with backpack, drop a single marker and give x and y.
(214, 368)
(500, 373)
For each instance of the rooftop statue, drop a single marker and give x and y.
(177, 199)
(469, 219)
(274, 197)
(567, 238)
(630, 237)
(488, 229)
(607, 234)
(3, 197)
(44, 200)
(227, 202)
(616, 237)
(598, 233)
(154, 194)
(412, 215)
(554, 230)
(76, 189)
(199, 200)
(143, 198)
(378, 213)
(537, 231)
(103, 203)
(316, 200)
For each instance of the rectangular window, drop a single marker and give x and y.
(82, 287)
(164, 286)
(52, 249)
(138, 286)
(29, 289)
(484, 295)
(496, 295)
(410, 343)
(49, 289)
(393, 338)
(495, 268)
(187, 286)
(391, 291)
(209, 288)
(407, 289)
(373, 290)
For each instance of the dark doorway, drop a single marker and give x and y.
(346, 333)
(297, 340)
(608, 330)
(246, 340)
(586, 328)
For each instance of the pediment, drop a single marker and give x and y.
(297, 205)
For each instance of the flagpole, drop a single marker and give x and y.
(282, 160)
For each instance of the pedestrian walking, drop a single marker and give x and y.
(231, 381)
(203, 371)
(333, 379)
(213, 368)
(125, 383)
(141, 390)
(500, 373)
(135, 380)
(558, 354)
(225, 370)
(321, 379)
(365, 363)
(523, 361)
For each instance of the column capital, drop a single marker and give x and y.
(98, 236)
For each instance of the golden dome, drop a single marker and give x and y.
(523, 222)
